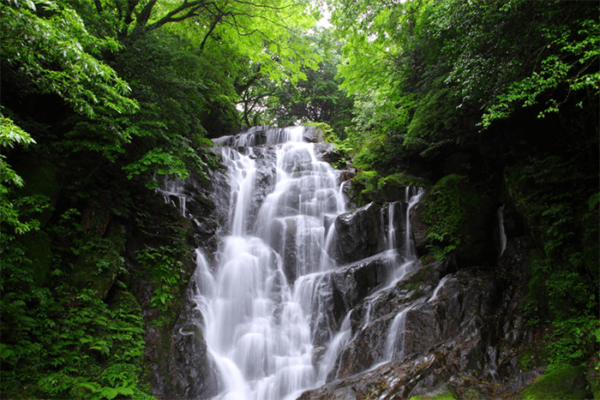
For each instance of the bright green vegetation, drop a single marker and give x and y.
(563, 383)
(442, 396)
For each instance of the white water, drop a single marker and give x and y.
(437, 288)
(257, 326)
(173, 189)
(500, 214)
(396, 340)
(396, 337)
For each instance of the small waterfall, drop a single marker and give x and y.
(336, 345)
(391, 239)
(396, 339)
(172, 192)
(437, 288)
(502, 233)
(396, 336)
(412, 197)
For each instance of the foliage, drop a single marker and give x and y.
(15, 210)
(571, 64)
(415, 83)
(318, 97)
(165, 269)
(549, 194)
(572, 341)
(48, 44)
(66, 344)
(447, 208)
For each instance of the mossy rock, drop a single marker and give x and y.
(393, 187)
(38, 250)
(564, 383)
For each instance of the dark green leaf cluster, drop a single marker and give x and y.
(550, 193)
(66, 343)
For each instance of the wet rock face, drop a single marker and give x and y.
(176, 350)
(358, 234)
(452, 317)
(419, 229)
(357, 280)
(451, 335)
(312, 134)
(189, 377)
(327, 152)
(208, 203)
(341, 290)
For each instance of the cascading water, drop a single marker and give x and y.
(502, 233)
(396, 337)
(172, 192)
(257, 323)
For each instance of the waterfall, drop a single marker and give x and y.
(502, 233)
(396, 337)
(258, 303)
(437, 288)
(172, 192)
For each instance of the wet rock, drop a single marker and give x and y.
(189, 377)
(419, 228)
(358, 234)
(265, 180)
(347, 175)
(359, 279)
(453, 318)
(327, 152)
(312, 134)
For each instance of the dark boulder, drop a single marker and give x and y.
(327, 152)
(358, 234)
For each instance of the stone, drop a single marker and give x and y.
(564, 383)
(358, 234)
(327, 152)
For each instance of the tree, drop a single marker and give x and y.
(317, 98)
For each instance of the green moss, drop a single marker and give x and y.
(364, 187)
(446, 395)
(525, 360)
(125, 301)
(208, 203)
(563, 383)
(100, 261)
(392, 187)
